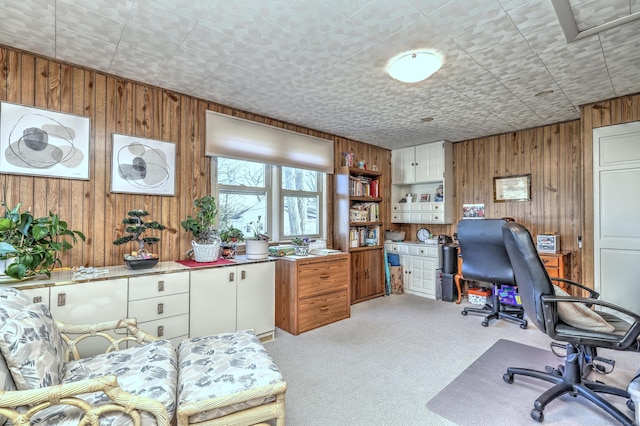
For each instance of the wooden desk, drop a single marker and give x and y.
(558, 265)
(457, 277)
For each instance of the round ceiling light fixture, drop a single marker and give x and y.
(413, 66)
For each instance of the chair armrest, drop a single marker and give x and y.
(629, 338)
(67, 394)
(592, 293)
(125, 329)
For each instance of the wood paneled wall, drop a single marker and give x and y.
(117, 105)
(551, 154)
(600, 114)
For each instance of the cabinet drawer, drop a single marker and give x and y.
(423, 251)
(167, 328)
(158, 285)
(321, 277)
(159, 307)
(550, 262)
(320, 310)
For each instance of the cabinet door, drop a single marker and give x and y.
(429, 162)
(256, 298)
(422, 276)
(212, 301)
(403, 165)
(89, 303)
(38, 295)
(366, 275)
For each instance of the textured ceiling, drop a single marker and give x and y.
(319, 63)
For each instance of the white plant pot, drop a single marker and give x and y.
(257, 249)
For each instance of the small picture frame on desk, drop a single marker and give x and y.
(425, 198)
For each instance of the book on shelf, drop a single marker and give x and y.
(362, 186)
(362, 236)
(365, 212)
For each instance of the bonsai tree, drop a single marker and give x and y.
(30, 246)
(202, 226)
(136, 227)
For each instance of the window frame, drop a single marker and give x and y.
(274, 225)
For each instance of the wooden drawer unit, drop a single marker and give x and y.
(317, 311)
(558, 265)
(312, 291)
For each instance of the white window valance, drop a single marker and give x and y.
(241, 139)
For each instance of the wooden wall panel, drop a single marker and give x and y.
(117, 105)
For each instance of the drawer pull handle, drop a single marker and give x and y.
(243, 275)
(232, 276)
(160, 330)
(161, 285)
(62, 299)
(161, 308)
(324, 308)
(323, 276)
(545, 261)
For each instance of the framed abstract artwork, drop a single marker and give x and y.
(40, 142)
(142, 166)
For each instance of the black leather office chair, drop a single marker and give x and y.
(541, 305)
(485, 259)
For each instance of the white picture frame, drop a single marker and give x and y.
(40, 142)
(142, 166)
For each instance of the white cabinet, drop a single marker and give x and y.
(421, 163)
(419, 264)
(233, 298)
(89, 302)
(426, 172)
(160, 303)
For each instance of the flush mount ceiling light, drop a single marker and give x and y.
(414, 65)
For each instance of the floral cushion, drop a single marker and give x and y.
(12, 301)
(149, 371)
(223, 364)
(33, 331)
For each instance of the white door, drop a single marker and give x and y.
(212, 306)
(616, 175)
(402, 165)
(429, 162)
(256, 297)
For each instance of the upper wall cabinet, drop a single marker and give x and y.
(422, 184)
(417, 164)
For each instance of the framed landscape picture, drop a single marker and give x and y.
(142, 166)
(40, 142)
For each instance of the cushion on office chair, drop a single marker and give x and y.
(580, 316)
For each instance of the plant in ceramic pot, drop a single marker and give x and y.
(206, 241)
(257, 246)
(31, 246)
(301, 246)
(136, 227)
(230, 237)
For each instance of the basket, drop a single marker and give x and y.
(206, 252)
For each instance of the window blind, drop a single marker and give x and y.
(241, 139)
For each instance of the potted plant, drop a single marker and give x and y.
(30, 246)
(301, 246)
(230, 237)
(206, 241)
(257, 246)
(136, 227)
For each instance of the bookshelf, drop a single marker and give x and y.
(358, 229)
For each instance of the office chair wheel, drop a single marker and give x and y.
(631, 405)
(464, 313)
(508, 378)
(523, 326)
(537, 415)
(485, 323)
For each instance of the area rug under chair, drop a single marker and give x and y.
(479, 395)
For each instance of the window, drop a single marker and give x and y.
(289, 202)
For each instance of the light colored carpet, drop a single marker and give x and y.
(395, 353)
(497, 403)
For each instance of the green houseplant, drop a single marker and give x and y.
(257, 246)
(136, 227)
(31, 246)
(230, 236)
(206, 241)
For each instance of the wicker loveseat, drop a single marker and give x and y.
(221, 379)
